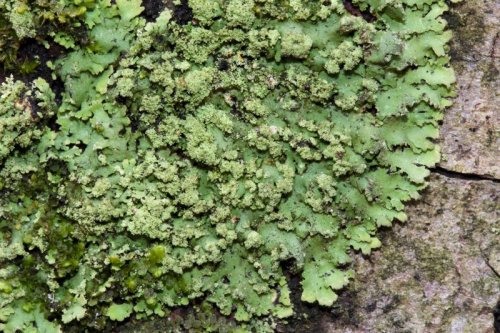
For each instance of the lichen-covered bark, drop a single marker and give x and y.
(195, 155)
(439, 271)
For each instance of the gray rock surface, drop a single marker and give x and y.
(469, 135)
(438, 272)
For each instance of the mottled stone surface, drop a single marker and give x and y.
(469, 135)
(435, 273)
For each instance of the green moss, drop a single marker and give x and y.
(187, 161)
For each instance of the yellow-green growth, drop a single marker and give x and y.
(187, 161)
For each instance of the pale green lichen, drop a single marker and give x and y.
(295, 44)
(188, 159)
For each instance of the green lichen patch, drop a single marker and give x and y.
(188, 159)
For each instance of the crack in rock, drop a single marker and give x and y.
(464, 176)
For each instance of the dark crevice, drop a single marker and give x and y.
(33, 51)
(32, 58)
(496, 317)
(223, 65)
(152, 9)
(463, 176)
(354, 10)
(52, 124)
(183, 14)
(487, 262)
(307, 317)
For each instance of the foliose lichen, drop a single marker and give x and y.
(189, 159)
